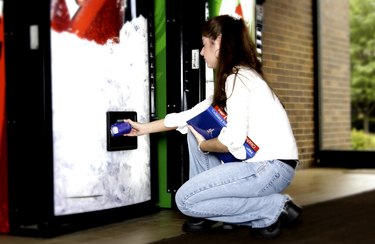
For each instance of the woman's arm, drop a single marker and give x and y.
(211, 145)
(139, 129)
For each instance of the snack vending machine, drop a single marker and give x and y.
(73, 69)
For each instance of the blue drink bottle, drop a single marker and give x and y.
(120, 128)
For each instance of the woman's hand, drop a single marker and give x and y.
(137, 128)
(196, 134)
(211, 145)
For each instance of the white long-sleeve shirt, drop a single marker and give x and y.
(253, 111)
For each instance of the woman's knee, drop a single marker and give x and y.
(179, 200)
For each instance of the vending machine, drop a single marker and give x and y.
(72, 70)
(185, 78)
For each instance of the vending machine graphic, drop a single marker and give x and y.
(75, 68)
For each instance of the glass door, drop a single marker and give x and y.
(346, 83)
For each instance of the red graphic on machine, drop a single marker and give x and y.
(95, 20)
(60, 17)
(238, 9)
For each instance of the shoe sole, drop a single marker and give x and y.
(194, 228)
(264, 233)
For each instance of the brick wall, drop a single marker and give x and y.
(288, 58)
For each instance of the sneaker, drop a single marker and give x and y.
(288, 217)
(269, 232)
(293, 212)
(227, 226)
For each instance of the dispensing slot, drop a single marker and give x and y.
(119, 143)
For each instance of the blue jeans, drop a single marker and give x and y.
(237, 193)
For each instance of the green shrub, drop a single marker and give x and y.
(362, 141)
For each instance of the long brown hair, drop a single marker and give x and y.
(236, 49)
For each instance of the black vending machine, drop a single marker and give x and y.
(72, 69)
(185, 78)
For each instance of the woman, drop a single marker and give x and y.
(245, 193)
